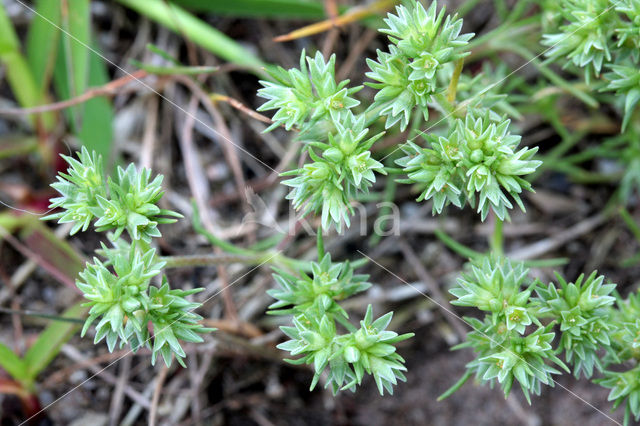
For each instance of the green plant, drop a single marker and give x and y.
(119, 289)
(478, 156)
(473, 159)
(594, 33)
(600, 39)
(410, 75)
(313, 302)
(522, 336)
(470, 154)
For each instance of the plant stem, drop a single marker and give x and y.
(497, 241)
(456, 386)
(548, 73)
(457, 247)
(30, 313)
(320, 244)
(261, 257)
(209, 260)
(218, 242)
(630, 222)
(453, 85)
(545, 263)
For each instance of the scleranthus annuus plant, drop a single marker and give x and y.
(128, 308)
(472, 155)
(475, 159)
(421, 46)
(313, 302)
(531, 331)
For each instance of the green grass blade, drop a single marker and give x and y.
(71, 74)
(13, 145)
(180, 21)
(19, 75)
(48, 344)
(42, 41)
(276, 9)
(12, 364)
(52, 253)
(96, 131)
(76, 20)
(92, 121)
(183, 70)
(457, 247)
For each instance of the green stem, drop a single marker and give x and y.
(52, 317)
(548, 73)
(265, 257)
(359, 263)
(630, 222)
(456, 386)
(320, 244)
(218, 242)
(453, 85)
(524, 26)
(546, 263)
(209, 260)
(345, 323)
(457, 247)
(496, 243)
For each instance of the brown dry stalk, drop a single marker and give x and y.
(353, 15)
(108, 89)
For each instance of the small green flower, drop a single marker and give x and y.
(118, 290)
(423, 42)
(125, 303)
(79, 190)
(582, 308)
(625, 388)
(307, 96)
(478, 157)
(369, 349)
(495, 285)
(334, 178)
(517, 318)
(314, 336)
(586, 38)
(126, 202)
(329, 283)
(510, 357)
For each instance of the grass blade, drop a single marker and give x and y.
(42, 41)
(76, 69)
(276, 9)
(180, 21)
(48, 344)
(71, 74)
(96, 131)
(12, 364)
(76, 20)
(19, 74)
